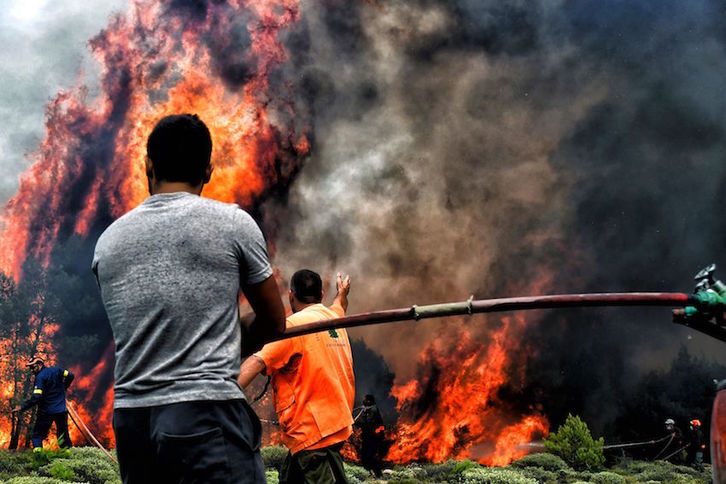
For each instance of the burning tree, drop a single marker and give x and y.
(222, 61)
(27, 314)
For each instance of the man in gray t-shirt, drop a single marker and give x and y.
(171, 272)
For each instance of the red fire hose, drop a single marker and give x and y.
(471, 306)
(467, 307)
(85, 431)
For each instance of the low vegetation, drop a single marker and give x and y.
(88, 465)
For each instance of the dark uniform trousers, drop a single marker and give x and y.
(41, 429)
(189, 442)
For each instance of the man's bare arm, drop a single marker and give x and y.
(269, 319)
(343, 286)
(252, 366)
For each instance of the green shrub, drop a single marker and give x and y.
(608, 478)
(58, 470)
(575, 445)
(440, 472)
(664, 472)
(402, 474)
(92, 468)
(271, 476)
(464, 465)
(90, 453)
(418, 471)
(495, 475)
(540, 475)
(638, 466)
(549, 462)
(13, 463)
(273, 456)
(355, 472)
(34, 480)
(570, 475)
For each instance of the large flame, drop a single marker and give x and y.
(452, 409)
(220, 62)
(160, 58)
(156, 61)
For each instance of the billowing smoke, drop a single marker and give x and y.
(498, 148)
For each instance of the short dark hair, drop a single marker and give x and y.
(180, 148)
(307, 286)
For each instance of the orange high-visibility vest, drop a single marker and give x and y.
(312, 381)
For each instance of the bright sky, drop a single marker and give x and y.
(43, 50)
(26, 10)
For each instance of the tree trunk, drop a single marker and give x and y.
(18, 423)
(14, 432)
(29, 428)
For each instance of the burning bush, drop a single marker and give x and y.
(575, 445)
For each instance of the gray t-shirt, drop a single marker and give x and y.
(170, 273)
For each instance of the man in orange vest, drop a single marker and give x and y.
(313, 384)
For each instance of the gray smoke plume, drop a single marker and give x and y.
(500, 148)
(44, 49)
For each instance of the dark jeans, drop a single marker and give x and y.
(43, 422)
(189, 442)
(318, 466)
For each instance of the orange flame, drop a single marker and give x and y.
(89, 168)
(452, 410)
(90, 164)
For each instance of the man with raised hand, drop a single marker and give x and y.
(171, 272)
(313, 384)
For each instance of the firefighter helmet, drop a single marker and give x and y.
(695, 422)
(34, 360)
(670, 421)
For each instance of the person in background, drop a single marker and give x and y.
(674, 450)
(49, 394)
(696, 444)
(313, 384)
(370, 423)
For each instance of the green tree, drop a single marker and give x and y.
(575, 445)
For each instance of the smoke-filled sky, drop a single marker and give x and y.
(472, 147)
(499, 147)
(44, 49)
